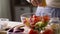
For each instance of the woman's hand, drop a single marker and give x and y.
(38, 2)
(35, 2)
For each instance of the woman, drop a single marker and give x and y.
(52, 7)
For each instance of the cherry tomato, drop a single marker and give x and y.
(48, 31)
(33, 32)
(34, 19)
(46, 18)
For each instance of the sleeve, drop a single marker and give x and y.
(40, 11)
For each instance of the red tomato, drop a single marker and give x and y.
(46, 18)
(39, 18)
(48, 31)
(34, 19)
(33, 32)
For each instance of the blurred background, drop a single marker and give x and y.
(12, 9)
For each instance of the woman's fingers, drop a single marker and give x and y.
(36, 2)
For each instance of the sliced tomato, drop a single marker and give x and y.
(33, 32)
(46, 18)
(35, 19)
(48, 31)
